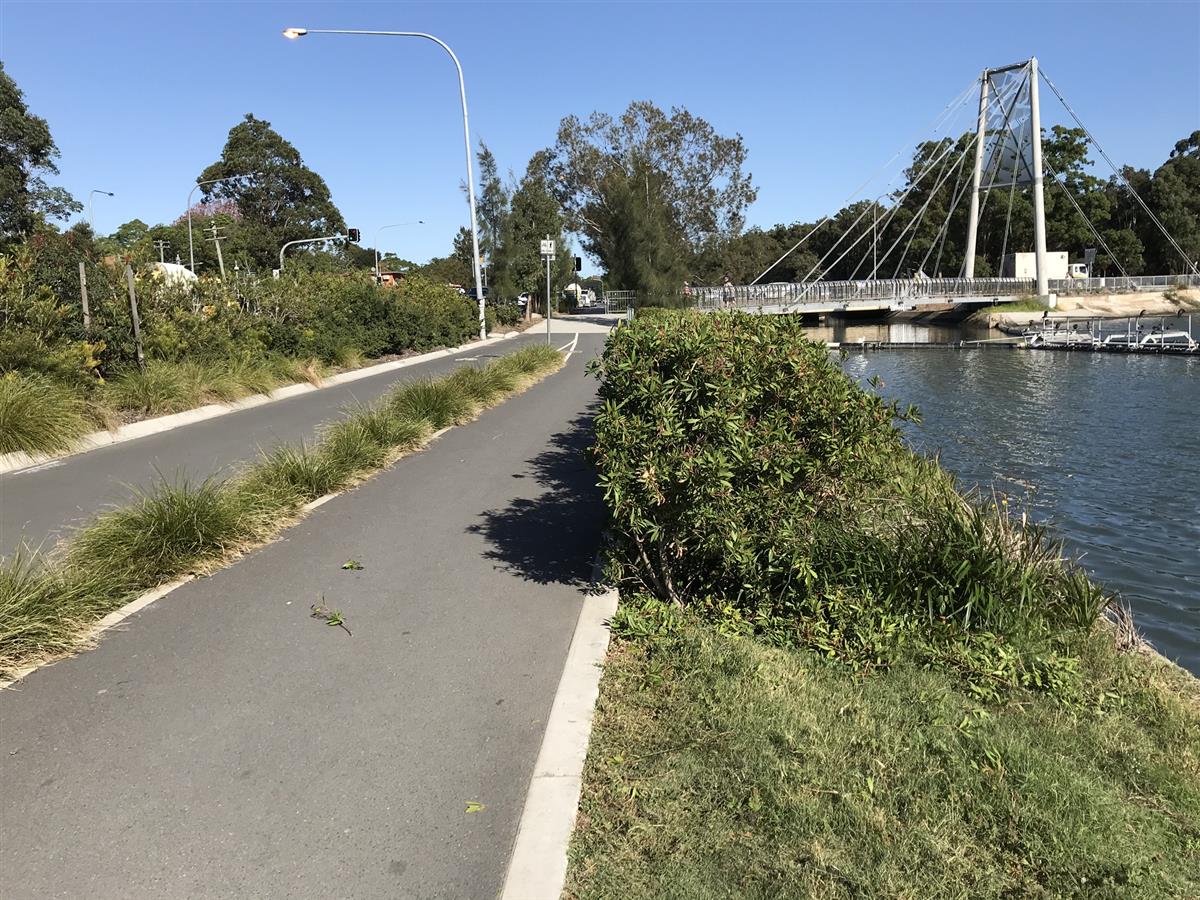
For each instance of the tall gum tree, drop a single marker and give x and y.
(278, 198)
(27, 154)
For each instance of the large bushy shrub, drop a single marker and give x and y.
(749, 477)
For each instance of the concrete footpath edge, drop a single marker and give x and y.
(537, 869)
(19, 460)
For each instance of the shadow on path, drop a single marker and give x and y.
(553, 538)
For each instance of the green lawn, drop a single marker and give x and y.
(721, 767)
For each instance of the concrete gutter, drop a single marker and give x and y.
(538, 867)
(18, 460)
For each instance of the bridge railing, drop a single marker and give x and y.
(898, 292)
(1121, 283)
(825, 293)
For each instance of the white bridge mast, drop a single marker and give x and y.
(1039, 199)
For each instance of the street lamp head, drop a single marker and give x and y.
(293, 33)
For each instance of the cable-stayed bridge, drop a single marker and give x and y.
(892, 255)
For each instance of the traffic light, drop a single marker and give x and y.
(579, 264)
(353, 234)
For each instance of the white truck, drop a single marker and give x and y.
(1024, 265)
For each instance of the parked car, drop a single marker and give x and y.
(523, 300)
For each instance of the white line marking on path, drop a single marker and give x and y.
(38, 468)
(538, 868)
(572, 345)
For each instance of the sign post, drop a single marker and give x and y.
(548, 255)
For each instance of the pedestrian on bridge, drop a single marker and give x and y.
(727, 292)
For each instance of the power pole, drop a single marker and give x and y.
(162, 248)
(216, 239)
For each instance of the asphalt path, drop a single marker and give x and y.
(40, 506)
(224, 743)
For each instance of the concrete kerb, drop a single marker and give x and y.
(537, 869)
(18, 461)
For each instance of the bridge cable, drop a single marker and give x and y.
(900, 202)
(920, 214)
(914, 224)
(951, 108)
(1091, 226)
(960, 190)
(1086, 220)
(1120, 175)
(994, 164)
(891, 212)
(882, 227)
(1012, 188)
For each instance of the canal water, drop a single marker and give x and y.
(1103, 447)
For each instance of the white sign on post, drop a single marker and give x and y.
(547, 248)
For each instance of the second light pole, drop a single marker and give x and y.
(379, 231)
(294, 33)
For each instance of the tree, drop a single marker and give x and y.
(492, 204)
(534, 213)
(640, 239)
(277, 197)
(1175, 198)
(27, 153)
(696, 177)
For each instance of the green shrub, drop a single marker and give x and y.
(505, 314)
(38, 415)
(749, 477)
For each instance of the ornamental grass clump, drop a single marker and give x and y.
(750, 478)
(38, 415)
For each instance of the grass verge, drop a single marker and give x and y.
(1025, 304)
(835, 674)
(720, 767)
(47, 605)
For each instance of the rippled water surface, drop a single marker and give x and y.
(1105, 447)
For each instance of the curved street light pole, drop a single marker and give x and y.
(191, 248)
(331, 237)
(91, 194)
(294, 33)
(382, 228)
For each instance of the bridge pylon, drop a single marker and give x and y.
(993, 152)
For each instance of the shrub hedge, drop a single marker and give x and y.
(750, 478)
(327, 316)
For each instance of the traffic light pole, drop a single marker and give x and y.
(332, 237)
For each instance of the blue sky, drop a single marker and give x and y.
(140, 96)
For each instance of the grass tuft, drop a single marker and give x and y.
(38, 415)
(168, 530)
(438, 402)
(163, 388)
(531, 360)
